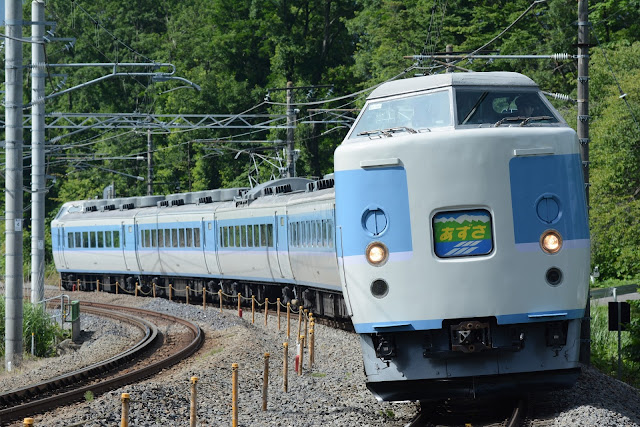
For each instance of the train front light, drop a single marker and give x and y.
(551, 241)
(377, 253)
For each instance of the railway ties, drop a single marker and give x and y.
(127, 367)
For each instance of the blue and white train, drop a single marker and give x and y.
(456, 239)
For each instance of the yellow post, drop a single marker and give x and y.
(300, 354)
(187, 294)
(311, 343)
(220, 298)
(98, 285)
(278, 310)
(306, 324)
(204, 298)
(265, 382)
(124, 421)
(194, 394)
(78, 287)
(117, 286)
(136, 290)
(239, 303)
(266, 310)
(288, 319)
(300, 313)
(234, 395)
(285, 368)
(170, 292)
(28, 422)
(253, 309)
(153, 287)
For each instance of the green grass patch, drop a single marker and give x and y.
(88, 396)
(318, 375)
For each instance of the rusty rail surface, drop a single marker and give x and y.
(44, 396)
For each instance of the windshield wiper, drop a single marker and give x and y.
(524, 120)
(474, 108)
(387, 132)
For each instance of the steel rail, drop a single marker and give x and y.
(21, 410)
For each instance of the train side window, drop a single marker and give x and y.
(256, 235)
(270, 235)
(116, 239)
(189, 237)
(100, 239)
(92, 234)
(107, 239)
(161, 238)
(196, 237)
(243, 236)
(292, 233)
(249, 236)
(147, 238)
(78, 236)
(174, 237)
(263, 234)
(167, 237)
(181, 237)
(223, 237)
(70, 240)
(330, 233)
(154, 238)
(324, 232)
(85, 239)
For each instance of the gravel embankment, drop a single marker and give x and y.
(332, 394)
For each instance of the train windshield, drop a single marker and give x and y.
(412, 114)
(501, 108)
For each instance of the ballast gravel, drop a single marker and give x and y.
(332, 393)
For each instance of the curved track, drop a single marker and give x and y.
(488, 413)
(106, 375)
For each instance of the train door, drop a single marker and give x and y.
(61, 243)
(209, 245)
(282, 246)
(123, 243)
(272, 252)
(136, 242)
(341, 270)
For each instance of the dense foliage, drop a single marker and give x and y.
(237, 51)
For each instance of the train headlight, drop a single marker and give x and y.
(377, 253)
(551, 241)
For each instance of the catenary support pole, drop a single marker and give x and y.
(149, 164)
(291, 118)
(13, 185)
(38, 189)
(583, 137)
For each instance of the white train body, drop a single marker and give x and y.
(464, 299)
(456, 239)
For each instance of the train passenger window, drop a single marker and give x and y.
(256, 235)
(85, 239)
(324, 232)
(93, 239)
(147, 238)
(293, 233)
(154, 238)
(318, 232)
(181, 237)
(249, 235)
(236, 236)
(330, 233)
(243, 236)
(161, 238)
(107, 239)
(78, 236)
(167, 237)
(100, 239)
(314, 234)
(174, 237)
(263, 234)
(223, 236)
(270, 235)
(189, 237)
(70, 240)
(196, 237)
(116, 239)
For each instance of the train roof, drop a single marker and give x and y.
(415, 84)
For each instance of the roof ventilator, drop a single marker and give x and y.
(177, 202)
(109, 208)
(163, 203)
(281, 189)
(127, 206)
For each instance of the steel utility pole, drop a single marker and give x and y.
(13, 184)
(149, 164)
(291, 118)
(583, 137)
(37, 150)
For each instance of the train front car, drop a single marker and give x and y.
(463, 237)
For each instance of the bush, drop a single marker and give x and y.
(37, 321)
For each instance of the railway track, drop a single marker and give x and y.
(481, 412)
(154, 352)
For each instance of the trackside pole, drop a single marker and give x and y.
(124, 420)
(265, 381)
(193, 409)
(234, 395)
(285, 368)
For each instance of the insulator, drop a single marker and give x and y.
(560, 56)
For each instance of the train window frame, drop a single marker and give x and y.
(116, 239)
(161, 238)
(174, 237)
(100, 235)
(154, 238)
(270, 235)
(330, 233)
(85, 239)
(236, 236)
(181, 239)
(196, 237)
(92, 239)
(189, 237)
(243, 236)
(249, 236)
(167, 237)
(263, 235)
(70, 240)
(256, 235)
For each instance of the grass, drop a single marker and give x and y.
(88, 396)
